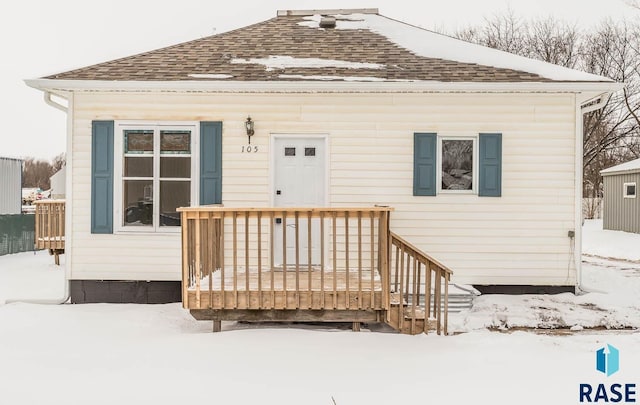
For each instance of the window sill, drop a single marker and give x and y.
(147, 232)
(457, 192)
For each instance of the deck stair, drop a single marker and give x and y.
(416, 279)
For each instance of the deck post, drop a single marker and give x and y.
(217, 326)
(446, 303)
(383, 234)
(197, 258)
(355, 327)
(185, 259)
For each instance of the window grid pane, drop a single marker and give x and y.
(457, 164)
(138, 166)
(175, 142)
(173, 194)
(175, 167)
(138, 202)
(138, 141)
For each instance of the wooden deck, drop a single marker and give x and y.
(50, 223)
(308, 264)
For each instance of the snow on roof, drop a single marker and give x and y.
(430, 44)
(624, 167)
(283, 62)
(342, 78)
(210, 76)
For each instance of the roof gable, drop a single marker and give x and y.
(362, 47)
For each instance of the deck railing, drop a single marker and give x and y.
(285, 258)
(418, 281)
(49, 226)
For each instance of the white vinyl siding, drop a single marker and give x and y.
(519, 238)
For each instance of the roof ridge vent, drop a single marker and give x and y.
(327, 22)
(300, 13)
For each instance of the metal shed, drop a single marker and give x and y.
(621, 201)
(10, 186)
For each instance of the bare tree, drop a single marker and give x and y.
(611, 134)
(553, 41)
(36, 173)
(501, 31)
(58, 162)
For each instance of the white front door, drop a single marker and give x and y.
(299, 181)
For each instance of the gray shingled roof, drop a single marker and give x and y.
(231, 57)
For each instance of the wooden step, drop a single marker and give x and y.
(412, 324)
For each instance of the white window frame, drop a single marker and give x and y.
(118, 152)
(624, 189)
(474, 180)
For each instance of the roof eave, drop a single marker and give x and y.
(215, 86)
(606, 172)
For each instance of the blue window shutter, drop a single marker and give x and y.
(210, 162)
(490, 161)
(424, 164)
(102, 177)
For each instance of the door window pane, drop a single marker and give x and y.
(309, 151)
(138, 166)
(289, 151)
(173, 194)
(138, 202)
(138, 141)
(175, 142)
(175, 167)
(457, 164)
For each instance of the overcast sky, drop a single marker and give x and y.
(41, 37)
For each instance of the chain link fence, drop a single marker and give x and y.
(17, 233)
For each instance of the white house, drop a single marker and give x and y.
(58, 183)
(478, 151)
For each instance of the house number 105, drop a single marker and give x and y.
(249, 149)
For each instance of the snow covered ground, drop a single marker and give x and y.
(613, 244)
(158, 354)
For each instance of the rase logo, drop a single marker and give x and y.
(608, 363)
(608, 360)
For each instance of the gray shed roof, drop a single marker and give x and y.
(628, 167)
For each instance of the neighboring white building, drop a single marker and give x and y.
(478, 151)
(10, 186)
(58, 183)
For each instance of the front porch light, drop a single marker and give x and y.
(249, 127)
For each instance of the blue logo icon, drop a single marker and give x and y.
(608, 360)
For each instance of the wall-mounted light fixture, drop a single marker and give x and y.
(248, 124)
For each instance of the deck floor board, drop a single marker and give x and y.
(316, 278)
(234, 294)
